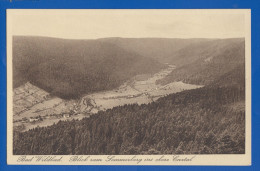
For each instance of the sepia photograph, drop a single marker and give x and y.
(116, 87)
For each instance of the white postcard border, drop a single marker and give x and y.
(216, 159)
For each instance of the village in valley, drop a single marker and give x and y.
(33, 107)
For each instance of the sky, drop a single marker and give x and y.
(93, 24)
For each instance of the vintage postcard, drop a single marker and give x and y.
(128, 87)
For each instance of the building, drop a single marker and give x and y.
(66, 115)
(33, 119)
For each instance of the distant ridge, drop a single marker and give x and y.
(176, 51)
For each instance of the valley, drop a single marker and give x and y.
(34, 107)
(128, 96)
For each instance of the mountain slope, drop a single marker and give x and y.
(205, 70)
(71, 68)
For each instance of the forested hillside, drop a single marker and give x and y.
(71, 68)
(210, 67)
(208, 120)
